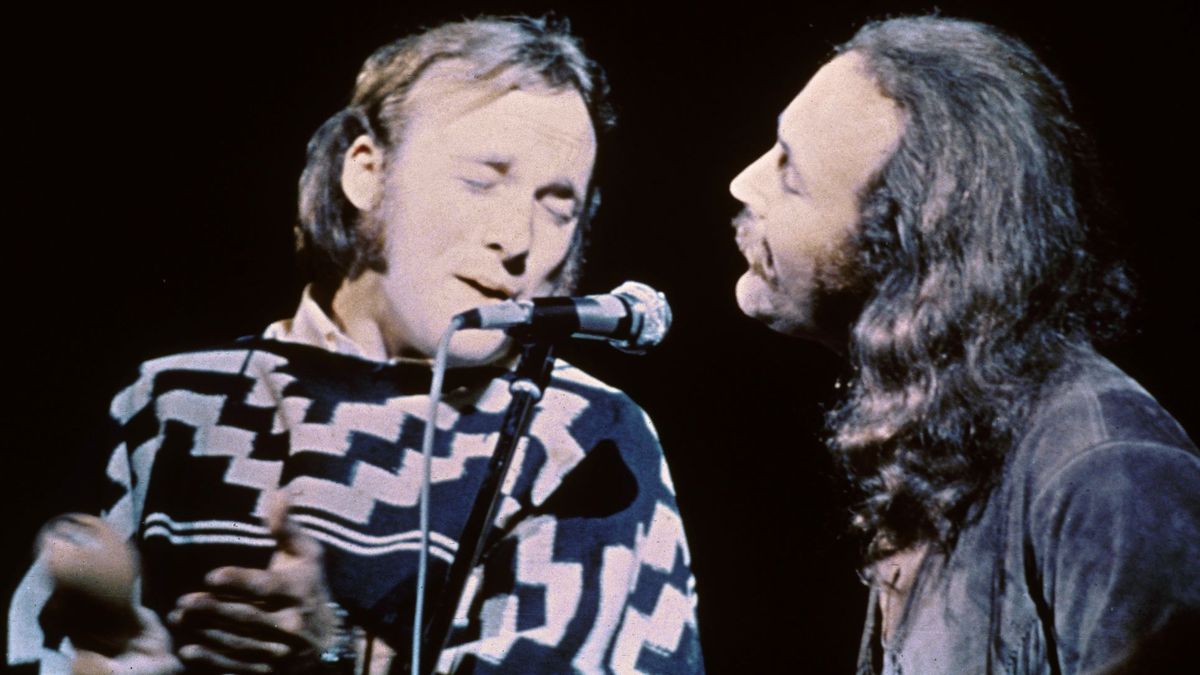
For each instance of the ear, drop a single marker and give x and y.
(362, 173)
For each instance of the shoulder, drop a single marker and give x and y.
(1103, 457)
(568, 376)
(233, 357)
(1101, 425)
(174, 371)
(604, 421)
(591, 400)
(1111, 516)
(248, 356)
(211, 371)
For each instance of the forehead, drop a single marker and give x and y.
(841, 121)
(498, 113)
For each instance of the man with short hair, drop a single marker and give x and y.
(271, 485)
(928, 210)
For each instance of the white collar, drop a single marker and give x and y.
(313, 327)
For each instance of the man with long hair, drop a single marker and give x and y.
(930, 211)
(271, 485)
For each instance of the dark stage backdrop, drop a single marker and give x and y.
(155, 156)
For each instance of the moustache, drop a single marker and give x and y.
(743, 220)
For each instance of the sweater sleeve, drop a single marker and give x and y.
(1117, 536)
(31, 642)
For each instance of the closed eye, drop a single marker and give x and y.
(481, 176)
(561, 201)
(477, 184)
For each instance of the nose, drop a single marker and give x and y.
(745, 186)
(510, 235)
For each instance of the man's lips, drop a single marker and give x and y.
(755, 250)
(487, 289)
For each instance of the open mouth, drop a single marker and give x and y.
(754, 249)
(486, 291)
(759, 263)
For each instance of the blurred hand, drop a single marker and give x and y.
(261, 621)
(93, 570)
(148, 653)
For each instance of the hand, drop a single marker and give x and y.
(261, 621)
(148, 653)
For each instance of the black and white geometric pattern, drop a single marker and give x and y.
(588, 568)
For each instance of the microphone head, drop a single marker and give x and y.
(651, 317)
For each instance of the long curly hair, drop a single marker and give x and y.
(978, 240)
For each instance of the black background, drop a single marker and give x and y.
(153, 156)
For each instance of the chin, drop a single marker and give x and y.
(753, 297)
(758, 301)
(789, 316)
(478, 347)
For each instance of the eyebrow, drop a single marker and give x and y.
(561, 189)
(501, 166)
(497, 163)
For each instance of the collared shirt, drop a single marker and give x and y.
(313, 327)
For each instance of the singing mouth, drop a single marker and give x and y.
(757, 253)
(493, 292)
(753, 249)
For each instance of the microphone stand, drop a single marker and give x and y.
(532, 378)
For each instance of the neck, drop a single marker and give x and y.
(357, 310)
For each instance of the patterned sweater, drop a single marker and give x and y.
(587, 569)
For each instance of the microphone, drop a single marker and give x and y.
(632, 318)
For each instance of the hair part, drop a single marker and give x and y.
(979, 240)
(502, 54)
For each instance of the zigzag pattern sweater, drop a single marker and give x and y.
(588, 569)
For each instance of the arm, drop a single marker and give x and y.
(89, 573)
(36, 636)
(1117, 535)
